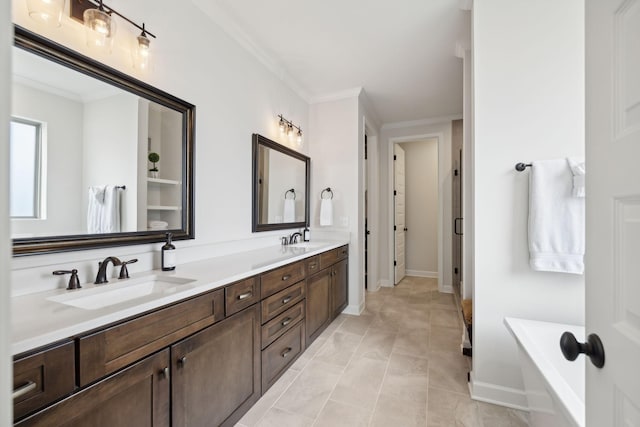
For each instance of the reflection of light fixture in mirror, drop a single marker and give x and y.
(49, 12)
(141, 57)
(287, 127)
(100, 29)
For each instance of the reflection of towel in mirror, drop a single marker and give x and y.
(556, 219)
(289, 210)
(158, 225)
(326, 212)
(103, 213)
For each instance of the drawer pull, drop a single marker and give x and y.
(287, 299)
(182, 361)
(245, 295)
(24, 389)
(286, 321)
(165, 372)
(312, 266)
(286, 277)
(286, 352)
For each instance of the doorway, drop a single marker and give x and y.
(416, 209)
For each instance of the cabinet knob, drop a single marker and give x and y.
(286, 321)
(286, 277)
(287, 299)
(182, 361)
(165, 372)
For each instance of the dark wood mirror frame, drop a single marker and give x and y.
(52, 51)
(259, 140)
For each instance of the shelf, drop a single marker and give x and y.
(163, 181)
(163, 208)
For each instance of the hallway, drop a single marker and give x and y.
(398, 364)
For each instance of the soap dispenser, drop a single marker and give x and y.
(168, 255)
(306, 234)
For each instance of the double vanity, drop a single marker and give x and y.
(198, 346)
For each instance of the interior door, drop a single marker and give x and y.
(613, 209)
(456, 199)
(399, 212)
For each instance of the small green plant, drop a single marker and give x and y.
(154, 158)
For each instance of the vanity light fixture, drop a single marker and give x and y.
(49, 12)
(100, 29)
(287, 127)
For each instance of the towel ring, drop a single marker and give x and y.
(290, 191)
(326, 190)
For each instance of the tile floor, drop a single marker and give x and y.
(396, 365)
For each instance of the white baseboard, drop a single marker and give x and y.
(498, 395)
(420, 273)
(386, 283)
(447, 289)
(354, 309)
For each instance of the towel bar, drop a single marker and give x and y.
(326, 190)
(290, 191)
(522, 166)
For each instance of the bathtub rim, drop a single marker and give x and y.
(572, 405)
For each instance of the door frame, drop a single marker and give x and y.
(439, 136)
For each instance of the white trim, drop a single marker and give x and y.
(421, 122)
(384, 283)
(336, 96)
(498, 395)
(354, 309)
(420, 273)
(442, 287)
(222, 18)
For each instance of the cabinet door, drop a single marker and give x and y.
(318, 303)
(339, 287)
(216, 375)
(136, 396)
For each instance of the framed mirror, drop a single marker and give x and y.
(280, 186)
(81, 173)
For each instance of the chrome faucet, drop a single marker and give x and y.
(101, 277)
(294, 237)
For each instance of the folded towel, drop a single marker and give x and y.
(289, 210)
(556, 219)
(326, 212)
(157, 224)
(578, 169)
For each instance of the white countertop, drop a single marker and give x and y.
(37, 321)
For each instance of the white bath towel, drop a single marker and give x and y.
(289, 210)
(103, 213)
(157, 225)
(326, 212)
(556, 219)
(578, 169)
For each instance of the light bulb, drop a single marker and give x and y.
(142, 53)
(299, 137)
(282, 126)
(49, 12)
(100, 29)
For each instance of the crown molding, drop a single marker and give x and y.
(336, 96)
(421, 122)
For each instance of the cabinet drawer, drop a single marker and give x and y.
(277, 303)
(43, 377)
(281, 354)
(120, 345)
(282, 323)
(241, 295)
(281, 278)
(313, 265)
(334, 255)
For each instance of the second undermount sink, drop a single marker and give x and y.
(148, 287)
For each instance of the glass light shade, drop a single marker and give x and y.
(141, 53)
(299, 137)
(49, 12)
(100, 29)
(281, 125)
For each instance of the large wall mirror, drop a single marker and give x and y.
(81, 135)
(280, 186)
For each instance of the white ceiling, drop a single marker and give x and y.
(402, 53)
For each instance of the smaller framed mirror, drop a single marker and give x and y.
(280, 186)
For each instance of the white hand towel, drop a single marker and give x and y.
(578, 169)
(326, 212)
(556, 219)
(103, 217)
(289, 210)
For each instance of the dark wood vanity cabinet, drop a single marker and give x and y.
(203, 361)
(216, 372)
(136, 396)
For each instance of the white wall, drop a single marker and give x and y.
(62, 118)
(411, 131)
(113, 145)
(529, 105)
(421, 174)
(235, 95)
(6, 380)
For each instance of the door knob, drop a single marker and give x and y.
(593, 348)
(406, 229)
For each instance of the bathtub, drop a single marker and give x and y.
(554, 386)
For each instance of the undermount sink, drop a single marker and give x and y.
(113, 293)
(308, 245)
